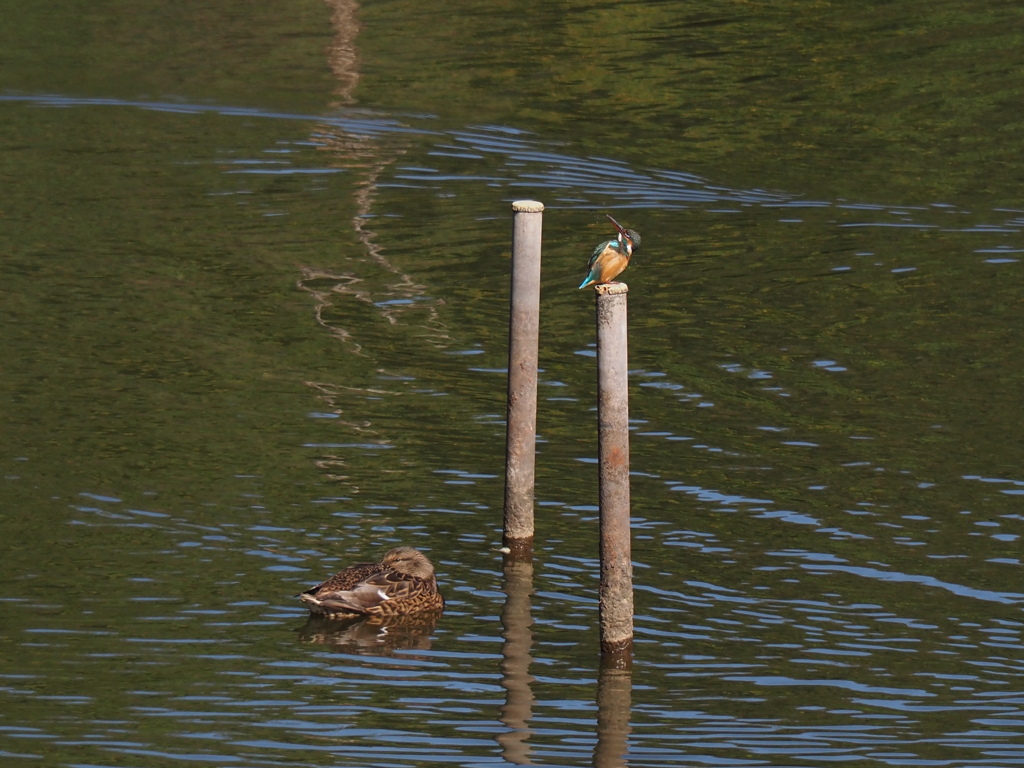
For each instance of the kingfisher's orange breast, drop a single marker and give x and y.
(612, 263)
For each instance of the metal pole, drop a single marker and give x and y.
(523, 342)
(615, 599)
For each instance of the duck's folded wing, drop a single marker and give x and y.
(370, 593)
(346, 579)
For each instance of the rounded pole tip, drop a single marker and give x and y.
(609, 289)
(527, 206)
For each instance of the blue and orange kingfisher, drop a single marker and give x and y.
(611, 256)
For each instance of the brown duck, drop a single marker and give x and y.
(401, 583)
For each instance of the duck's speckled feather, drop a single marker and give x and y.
(346, 578)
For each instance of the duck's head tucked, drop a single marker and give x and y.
(409, 562)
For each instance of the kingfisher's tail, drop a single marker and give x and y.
(587, 281)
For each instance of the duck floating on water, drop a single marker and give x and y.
(402, 583)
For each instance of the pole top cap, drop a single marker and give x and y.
(527, 206)
(610, 289)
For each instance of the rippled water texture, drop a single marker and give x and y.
(255, 275)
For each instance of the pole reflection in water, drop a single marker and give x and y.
(614, 707)
(516, 623)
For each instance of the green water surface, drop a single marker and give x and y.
(254, 275)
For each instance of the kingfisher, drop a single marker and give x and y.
(611, 256)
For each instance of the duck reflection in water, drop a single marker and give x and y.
(373, 635)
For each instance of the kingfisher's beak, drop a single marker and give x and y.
(622, 230)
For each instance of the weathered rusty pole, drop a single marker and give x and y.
(523, 343)
(615, 598)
